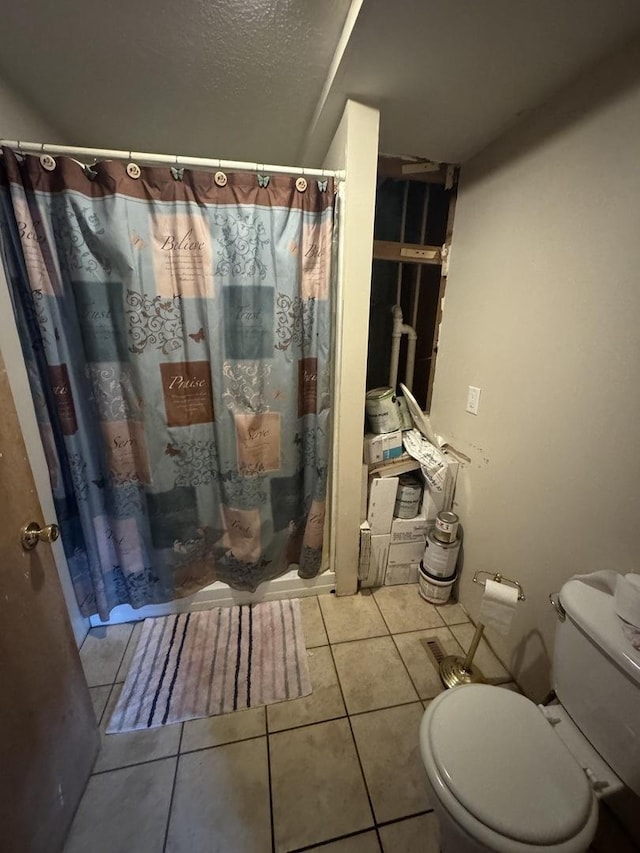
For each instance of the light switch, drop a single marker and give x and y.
(473, 400)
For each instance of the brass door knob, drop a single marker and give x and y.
(32, 533)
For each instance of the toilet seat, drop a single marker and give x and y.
(503, 775)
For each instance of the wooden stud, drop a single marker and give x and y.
(406, 253)
(441, 292)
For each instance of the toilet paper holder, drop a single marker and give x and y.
(498, 578)
(455, 669)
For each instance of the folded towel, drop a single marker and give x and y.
(627, 605)
(627, 599)
(625, 590)
(605, 580)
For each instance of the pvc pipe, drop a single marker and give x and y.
(412, 339)
(396, 334)
(168, 159)
(400, 329)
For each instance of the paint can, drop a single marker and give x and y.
(432, 589)
(440, 558)
(446, 529)
(407, 497)
(382, 410)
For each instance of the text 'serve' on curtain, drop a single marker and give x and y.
(177, 338)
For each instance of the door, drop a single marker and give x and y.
(48, 732)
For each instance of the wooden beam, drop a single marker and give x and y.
(442, 289)
(406, 253)
(397, 168)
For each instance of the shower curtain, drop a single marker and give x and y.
(176, 330)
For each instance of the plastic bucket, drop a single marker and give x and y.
(435, 590)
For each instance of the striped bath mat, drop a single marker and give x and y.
(212, 662)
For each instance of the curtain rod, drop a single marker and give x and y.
(168, 159)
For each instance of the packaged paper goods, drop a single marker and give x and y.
(382, 499)
(404, 573)
(409, 529)
(379, 554)
(404, 553)
(382, 448)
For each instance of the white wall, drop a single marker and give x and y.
(355, 150)
(543, 313)
(19, 121)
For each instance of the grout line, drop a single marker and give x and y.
(353, 739)
(104, 711)
(137, 764)
(380, 612)
(444, 624)
(416, 701)
(173, 791)
(272, 822)
(254, 737)
(405, 817)
(126, 649)
(218, 745)
(327, 841)
(106, 684)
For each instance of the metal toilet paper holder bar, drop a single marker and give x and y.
(455, 669)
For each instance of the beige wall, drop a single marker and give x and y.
(355, 150)
(18, 119)
(543, 313)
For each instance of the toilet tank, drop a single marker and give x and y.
(596, 676)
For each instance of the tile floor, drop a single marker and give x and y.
(338, 771)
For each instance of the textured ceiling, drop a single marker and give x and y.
(236, 79)
(242, 79)
(448, 77)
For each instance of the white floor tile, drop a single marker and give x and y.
(221, 800)
(124, 810)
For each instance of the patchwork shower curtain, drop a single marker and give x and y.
(176, 330)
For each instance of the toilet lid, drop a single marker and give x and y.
(500, 759)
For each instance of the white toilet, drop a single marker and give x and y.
(506, 775)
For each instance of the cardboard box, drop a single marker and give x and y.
(409, 529)
(382, 447)
(377, 560)
(405, 573)
(365, 551)
(406, 552)
(364, 485)
(382, 499)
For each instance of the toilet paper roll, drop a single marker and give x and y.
(498, 606)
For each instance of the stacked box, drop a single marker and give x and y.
(378, 556)
(382, 447)
(382, 499)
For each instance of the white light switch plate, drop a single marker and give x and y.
(473, 400)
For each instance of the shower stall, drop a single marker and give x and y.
(51, 195)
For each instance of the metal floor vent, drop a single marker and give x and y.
(433, 648)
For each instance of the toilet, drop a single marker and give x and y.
(509, 776)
